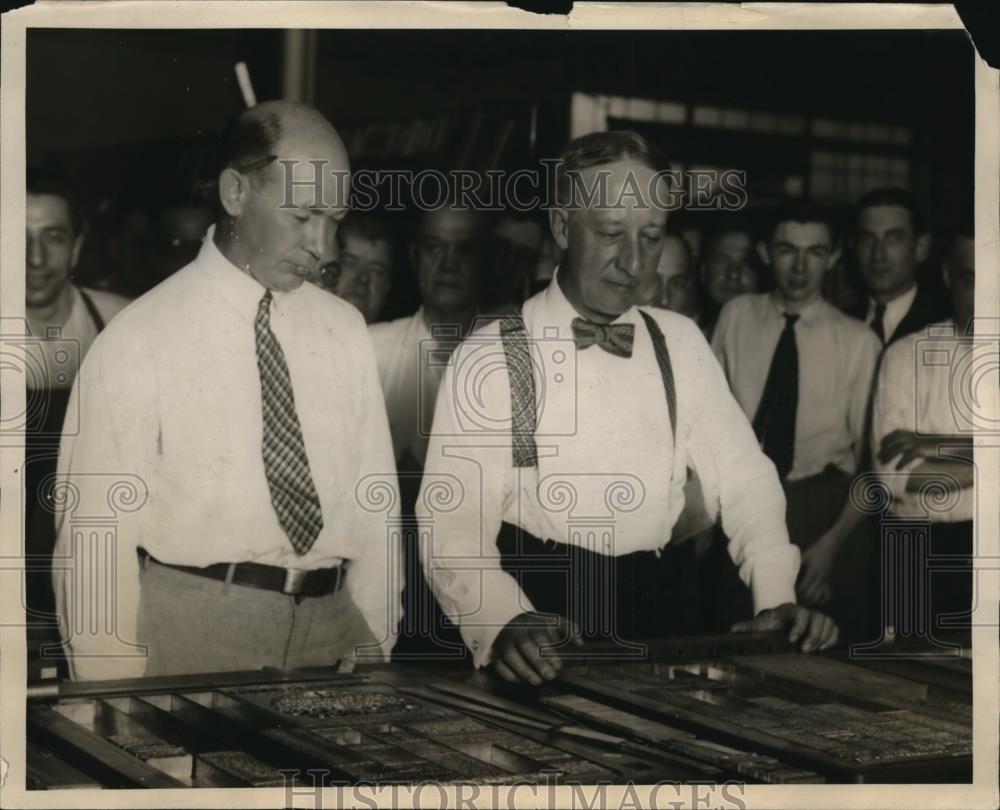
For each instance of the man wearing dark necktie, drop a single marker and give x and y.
(804, 372)
(891, 242)
(253, 446)
(584, 444)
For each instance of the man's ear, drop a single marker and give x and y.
(559, 223)
(923, 247)
(763, 252)
(234, 189)
(831, 262)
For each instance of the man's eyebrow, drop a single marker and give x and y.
(608, 217)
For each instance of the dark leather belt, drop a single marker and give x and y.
(291, 581)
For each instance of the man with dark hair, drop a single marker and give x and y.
(922, 431)
(55, 236)
(450, 255)
(891, 242)
(727, 268)
(676, 285)
(64, 320)
(575, 420)
(244, 439)
(803, 373)
(362, 272)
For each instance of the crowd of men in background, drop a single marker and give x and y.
(820, 358)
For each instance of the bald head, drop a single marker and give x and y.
(283, 187)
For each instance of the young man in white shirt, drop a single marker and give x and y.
(922, 431)
(891, 242)
(576, 422)
(63, 320)
(232, 421)
(803, 373)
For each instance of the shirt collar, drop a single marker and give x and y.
(809, 314)
(239, 288)
(560, 312)
(897, 307)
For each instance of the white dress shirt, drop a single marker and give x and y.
(170, 398)
(837, 359)
(895, 311)
(57, 354)
(923, 388)
(608, 477)
(410, 372)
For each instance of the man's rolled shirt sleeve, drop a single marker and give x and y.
(375, 578)
(95, 569)
(725, 451)
(458, 547)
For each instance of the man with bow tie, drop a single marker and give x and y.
(574, 422)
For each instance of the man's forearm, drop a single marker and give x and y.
(951, 473)
(847, 521)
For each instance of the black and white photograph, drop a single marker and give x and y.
(482, 409)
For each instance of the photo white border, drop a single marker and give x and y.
(983, 793)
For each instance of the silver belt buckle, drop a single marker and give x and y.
(294, 577)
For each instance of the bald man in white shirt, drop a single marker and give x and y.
(243, 409)
(581, 437)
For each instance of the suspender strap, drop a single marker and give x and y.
(95, 316)
(522, 384)
(522, 389)
(666, 369)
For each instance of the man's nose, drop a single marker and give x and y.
(35, 253)
(319, 236)
(451, 257)
(629, 259)
(879, 252)
(734, 271)
(800, 261)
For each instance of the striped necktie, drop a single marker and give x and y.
(286, 466)
(775, 420)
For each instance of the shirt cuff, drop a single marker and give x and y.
(502, 601)
(772, 581)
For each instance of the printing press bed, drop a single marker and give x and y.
(736, 707)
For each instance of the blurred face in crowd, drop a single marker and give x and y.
(728, 271)
(450, 254)
(800, 254)
(282, 247)
(692, 237)
(889, 250)
(960, 276)
(523, 241)
(611, 249)
(53, 248)
(677, 289)
(519, 246)
(180, 230)
(363, 273)
(548, 260)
